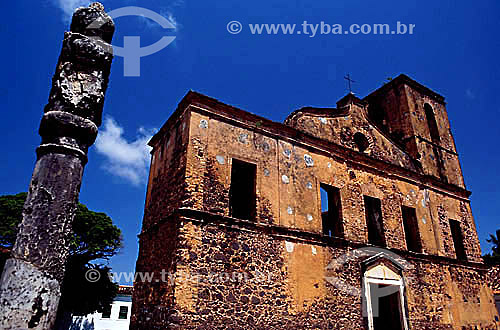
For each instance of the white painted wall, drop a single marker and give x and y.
(97, 322)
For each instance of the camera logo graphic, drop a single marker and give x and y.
(371, 258)
(132, 50)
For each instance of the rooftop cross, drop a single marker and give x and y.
(350, 81)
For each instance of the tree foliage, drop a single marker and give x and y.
(94, 238)
(81, 297)
(493, 258)
(11, 214)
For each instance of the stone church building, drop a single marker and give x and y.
(354, 217)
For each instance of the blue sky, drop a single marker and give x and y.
(454, 50)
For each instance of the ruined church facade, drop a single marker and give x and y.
(354, 217)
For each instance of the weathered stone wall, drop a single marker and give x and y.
(403, 102)
(494, 278)
(158, 240)
(167, 184)
(199, 240)
(154, 297)
(272, 292)
(340, 125)
(241, 275)
(447, 296)
(452, 169)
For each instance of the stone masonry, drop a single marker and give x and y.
(273, 269)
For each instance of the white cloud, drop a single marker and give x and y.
(152, 25)
(128, 160)
(171, 18)
(178, 3)
(69, 6)
(168, 13)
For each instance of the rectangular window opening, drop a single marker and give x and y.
(458, 240)
(410, 224)
(106, 313)
(123, 313)
(242, 191)
(331, 211)
(373, 213)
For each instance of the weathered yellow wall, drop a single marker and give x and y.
(282, 171)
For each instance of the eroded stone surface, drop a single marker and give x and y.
(33, 301)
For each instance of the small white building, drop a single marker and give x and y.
(117, 317)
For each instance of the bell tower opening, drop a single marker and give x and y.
(432, 123)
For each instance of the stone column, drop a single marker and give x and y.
(32, 277)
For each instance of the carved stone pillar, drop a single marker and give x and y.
(32, 277)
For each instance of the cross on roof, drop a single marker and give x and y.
(350, 81)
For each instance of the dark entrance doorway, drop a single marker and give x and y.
(386, 307)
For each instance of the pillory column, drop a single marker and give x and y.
(32, 277)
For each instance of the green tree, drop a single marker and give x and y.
(94, 239)
(493, 258)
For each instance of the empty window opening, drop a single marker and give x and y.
(431, 122)
(361, 142)
(386, 307)
(410, 224)
(123, 314)
(377, 114)
(242, 191)
(373, 213)
(434, 132)
(331, 211)
(458, 241)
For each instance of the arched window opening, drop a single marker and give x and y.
(431, 122)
